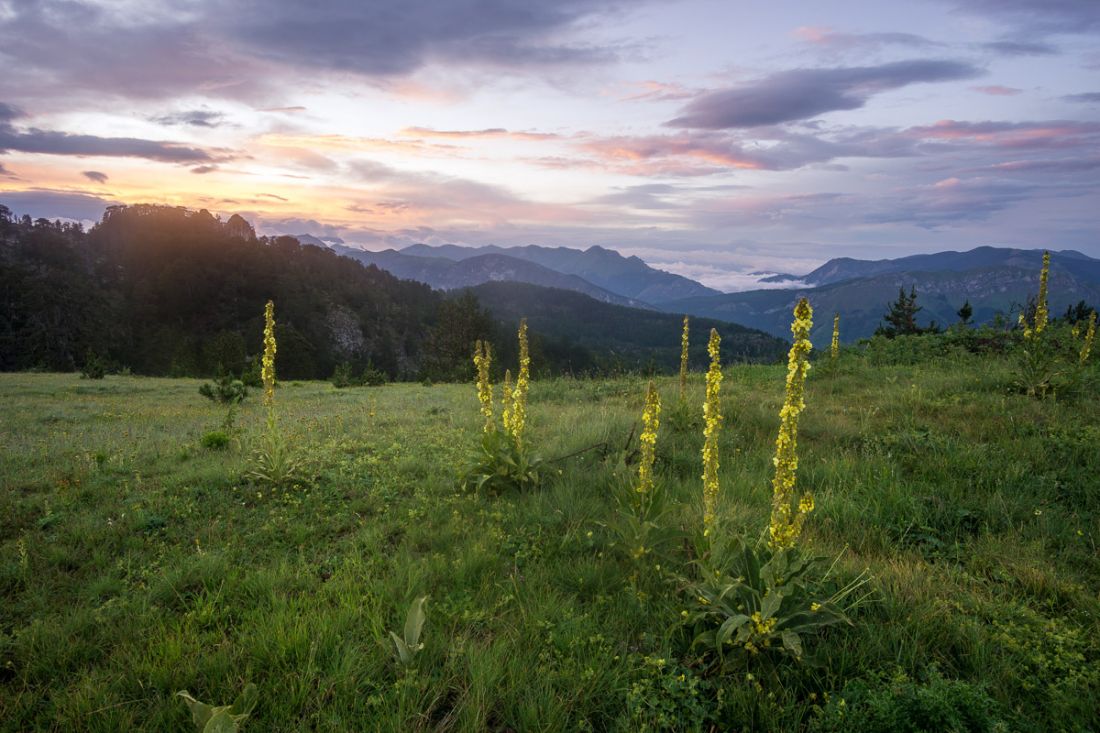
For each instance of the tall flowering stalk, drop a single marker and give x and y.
(1090, 335)
(483, 358)
(651, 420)
(506, 402)
(786, 521)
(684, 361)
(712, 421)
(523, 381)
(1035, 328)
(267, 370)
(834, 349)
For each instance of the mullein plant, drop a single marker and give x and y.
(755, 603)
(683, 418)
(834, 347)
(1090, 336)
(504, 459)
(274, 463)
(712, 423)
(1039, 367)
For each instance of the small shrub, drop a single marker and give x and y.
(226, 390)
(215, 440)
(342, 377)
(93, 368)
(900, 705)
(371, 377)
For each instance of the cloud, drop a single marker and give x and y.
(5, 173)
(996, 90)
(800, 94)
(54, 204)
(272, 196)
(828, 37)
(50, 142)
(491, 132)
(1037, 16)
(1021, 48)
(95, 176)
(1038, 135)
(1086, 98)
(194, 118)
(203, 169)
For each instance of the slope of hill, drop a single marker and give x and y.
(449, 274)
(622, 337)
(862, 302)
(846, 268)
(626, 276)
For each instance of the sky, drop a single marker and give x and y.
(712, 138)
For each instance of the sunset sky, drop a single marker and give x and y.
(711, 138)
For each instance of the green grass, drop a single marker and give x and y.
(151, 566)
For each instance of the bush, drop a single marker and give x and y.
(215, 440)
(899, 705)
(225, 389)
(94, 368)
(342, 377)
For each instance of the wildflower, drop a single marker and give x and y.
(651, 420)
(1090, 335)
(267, 372)
(506, 401)
(684, 361)
(1033, 329)
(483, 357)
(834, 349)
(523, 381)
(712, 420)
(815, 606)
(786, 522)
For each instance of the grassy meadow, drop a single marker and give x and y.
(135, 563)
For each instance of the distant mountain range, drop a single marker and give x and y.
(449, 274)
(994, 280)
(600, 273)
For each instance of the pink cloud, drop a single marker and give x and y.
(996, 90)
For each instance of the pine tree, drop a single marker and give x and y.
(965, 313)
(902, 317)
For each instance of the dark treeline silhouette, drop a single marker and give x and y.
(163, 290)
(169, 291)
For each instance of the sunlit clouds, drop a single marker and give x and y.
(710, 139)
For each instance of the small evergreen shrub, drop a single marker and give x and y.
(94, 368)
(226, 389)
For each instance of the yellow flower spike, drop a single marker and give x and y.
(267, 370)
(1041, 316)
(506, 402)
(786, 521)
(712, 421)
(651, 420)
(483, 358)
(684, 361)
(1090, 335)
(523, 381)
(834, 349)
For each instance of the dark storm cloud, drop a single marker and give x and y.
(804, 93)
(1086, 98)
(95, 176)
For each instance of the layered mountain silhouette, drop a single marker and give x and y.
(994, 280)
